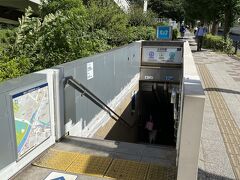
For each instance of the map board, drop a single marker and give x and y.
(162, 54)
(32, 118)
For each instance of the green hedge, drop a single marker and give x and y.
(217, 43)
(175, 34)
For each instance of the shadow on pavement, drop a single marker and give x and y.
(203, 50)
(222, 90)
(234, 57)
(204, 175)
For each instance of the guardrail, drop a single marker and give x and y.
(236, 45)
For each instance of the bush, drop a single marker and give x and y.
(218, 43)
(160, 24)
(6, 37)
(141, 33)
(67, 30)
(175, 34)
(10, 68)
(138, 18)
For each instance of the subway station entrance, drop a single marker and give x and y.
(155, 108)
(123, 114)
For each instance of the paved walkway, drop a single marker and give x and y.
(220, 141)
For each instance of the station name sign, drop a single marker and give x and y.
(164, 54)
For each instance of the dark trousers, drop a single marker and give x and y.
(199, 43)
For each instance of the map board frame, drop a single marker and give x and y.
(23, 92)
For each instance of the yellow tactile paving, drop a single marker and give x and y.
(91, 165)
(73, 162)
(54, 159)
(157, 172)
(125, 169)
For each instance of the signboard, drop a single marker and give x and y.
(164, 32)
(61, 176)
(90, 73)
(32, 118)
(162, 54)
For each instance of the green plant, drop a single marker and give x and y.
(65, 31)
(138, 18)
(160, 24)
(10, 68)
(218, 43)
(175, 34)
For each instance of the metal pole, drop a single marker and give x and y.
(145, 5)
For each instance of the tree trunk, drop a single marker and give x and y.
(227, 21)
(214, 29)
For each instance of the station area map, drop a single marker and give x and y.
(32, 118)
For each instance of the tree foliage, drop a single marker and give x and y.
(168, 9)
(213, 11)
(67, 30)
(138, 18)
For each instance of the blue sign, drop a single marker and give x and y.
(164, 32)
(59, 178)
(151, 55)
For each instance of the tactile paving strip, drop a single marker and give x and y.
(78, 163)
(54, 159)
(157, 172)
(226, 122)
(90, 165)
(125, 169)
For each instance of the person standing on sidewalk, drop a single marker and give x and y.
(199, 35)
(182, 30)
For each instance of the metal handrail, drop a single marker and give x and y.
(87, 93)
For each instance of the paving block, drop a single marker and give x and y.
(55, 159)
(90, 165)
(157, 172)
(125, 169)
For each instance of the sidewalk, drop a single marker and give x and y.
(220, 141)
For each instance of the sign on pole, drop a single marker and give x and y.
(164, 32)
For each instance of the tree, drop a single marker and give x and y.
(169, 9)
(213, 12)
(231, 10)
(138, 18)
(206, 11)
(65, 31)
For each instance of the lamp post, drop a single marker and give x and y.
(145, 6)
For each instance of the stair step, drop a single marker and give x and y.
(162, 155)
